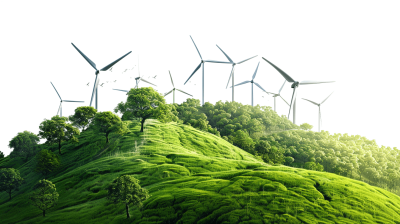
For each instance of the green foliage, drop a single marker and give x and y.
(242, 140)
(23, 145)
(46, 162)
(107, 122)
(1, 154)
(146, 103)
(10, 180)
(126, 189)
(57, 130)
(306, 126)
(83, 117)
(44, 196)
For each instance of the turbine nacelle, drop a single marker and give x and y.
(295, 84)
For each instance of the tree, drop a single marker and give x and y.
(47, 162)
(23, 144)
(288, 160)
(145, 103)
(10, 180)
(83, 117)
(57, 130)
(126, 189)
(1, 154)
(107, 122)
(242, 140)
(44, 195)
(306, 126)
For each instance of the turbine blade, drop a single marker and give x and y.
(242, 83)
(196, 47)
(73, 101)
(255, 73)
(246, 59)
(291, 102)
(326, 98)
(232, 71)
(171, 79)
(225, 54)
(184, 92)
(86, 58)
(96, 82)
(56, 90)
(121, 90)
(307, 82)
(259, 86)
(221, 62)
(286, 76)
(114, 62)
(282, 87)
(148, 82)
(168, 93)
(193, 73)
(283, 100)
(311, 101)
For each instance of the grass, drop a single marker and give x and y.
(193, 177)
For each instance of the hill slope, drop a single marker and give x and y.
(194, 177)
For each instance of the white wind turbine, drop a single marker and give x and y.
(60, 107)
(252, 82)
(95, 86)
(319, 110)
(295, 85)
(233, 71)
(278, 94)
(202, 65)
(173, 90)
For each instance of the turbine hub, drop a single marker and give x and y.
(295, 84)
(97, 72)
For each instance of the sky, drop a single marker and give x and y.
(354, 43)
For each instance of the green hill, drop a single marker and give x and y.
(193, 177)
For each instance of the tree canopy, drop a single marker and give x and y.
(107, 122)
(83, 117)
(10, 180)
(306, 126)
(23, 144)
(146, 103)
(44, 195)
(57, 130)
(46, 162)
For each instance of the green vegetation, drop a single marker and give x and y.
(44, 195)
(306, 126)
(46, 162)
(83, 117)
(107, 122)
(126, 190)
(1, 154)
(10, 180)
(57, 130)
(23, 145)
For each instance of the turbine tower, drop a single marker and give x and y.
(319, 110)
(138, 79)
(252, 82)
(295, 85)
(173, 90)
(202, 65)
(60, 107)
(233, 71)
(278, 94)
(97, 72)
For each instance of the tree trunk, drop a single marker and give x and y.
(44, 213)
(107, 137)
(59, 147)
(127, 211)
(143, 120)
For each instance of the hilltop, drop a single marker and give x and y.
(193, 177)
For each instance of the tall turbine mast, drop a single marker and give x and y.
(202, 65)
(295, 85)
(98, 72)
(60, 107)
(278, 94)
(319, 110)
(173, 90)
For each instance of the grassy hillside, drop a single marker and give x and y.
(193, 177)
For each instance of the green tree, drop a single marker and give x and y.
(46, 162)
(126, 189)
(57, 130)
(107, 122)
(83, 117)
(146, 103)
(288, 160)
(1, 154)
(44, 196)
(10, 180)
(306, 126)
(242, 140)
(23, 144)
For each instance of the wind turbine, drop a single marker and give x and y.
(319, 110)
(60, 107)
(295, 85)
(202, 65)
(97, 72)
(233, 71)
(138, 79)
(252, 82)
(278, 94)
(173, 90)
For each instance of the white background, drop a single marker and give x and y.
(355, 43)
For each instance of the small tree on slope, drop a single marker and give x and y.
(107, 122)
(10, 180)
(46, 162)
(126, 189)
(83, 117)
(44, 196)
(23, 144)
